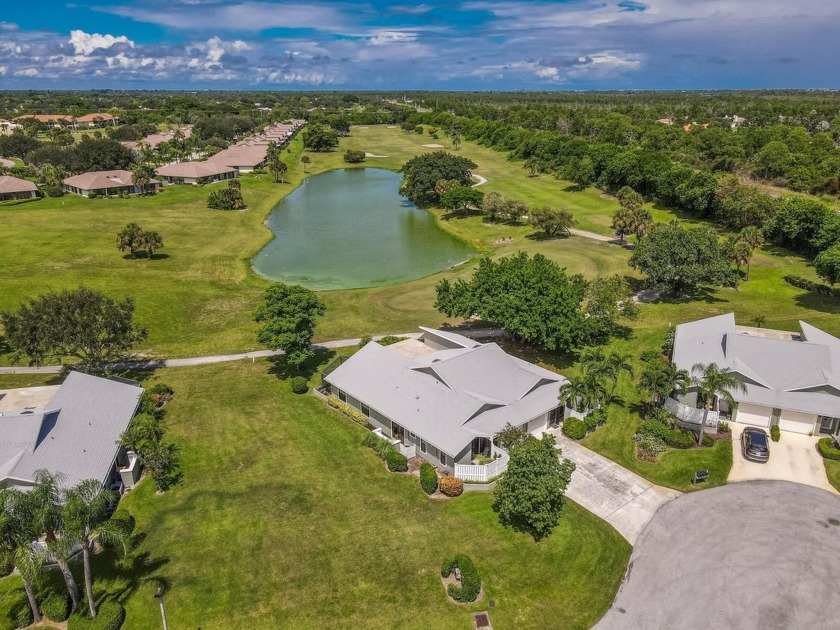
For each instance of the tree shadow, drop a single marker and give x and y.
(542, 236)
(818, 302)
(460, 214)
(280, 368)
(574, 188)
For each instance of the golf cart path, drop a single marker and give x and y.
(621, 497)
(224, 358)
(481, 180)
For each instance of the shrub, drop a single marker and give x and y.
(364, 341)
(680, 438)
(390, 339)
(397, 462)
(574, 428)
(451, 486)
(590, 423)
(828, 450)
(354, 157)
(56, 606)
(161, 393)
(649, 447)
(299, 385)
(775, 433)
(347, 410)
(664, 417)
(653, 429)
(723, 427)
(110, 616)
(707, 441)
(599, 416)
(470, 579)
(428, 478)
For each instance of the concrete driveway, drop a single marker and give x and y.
(759, 555)
(622, 498)
(793, 458)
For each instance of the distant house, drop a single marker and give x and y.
(666, 121)
(75, 434)
(243, 156)
(16, 188)
(153, 140)
(88, 121)
(7, 127)
(105, 183)
(443, 397)
(792, 380)
(195, 172)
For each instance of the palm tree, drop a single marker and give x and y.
(141, 176)
(87, 518)
(129, 238)
(150, 242)
(741, 254)
(49, 519)
(615, 365)
(642, 222)
(753, 238)
(710, 381)
(583, 393)
(17, 532)
(533, 166)
(456, 140)
(622, 222)
(660, 378)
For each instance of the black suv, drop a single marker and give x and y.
(755, 445)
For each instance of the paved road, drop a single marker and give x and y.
(758, 555)
(224, 358)
(621, 497)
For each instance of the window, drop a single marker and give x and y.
(328, 387)
(422, 445)
(342, 396)
(365, 410)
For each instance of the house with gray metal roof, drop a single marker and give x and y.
(444, 396)
(792, 379)
(75, 434)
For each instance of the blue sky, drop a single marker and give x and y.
(456, 44)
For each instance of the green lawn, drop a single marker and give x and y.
(284, 520)
(832, 469)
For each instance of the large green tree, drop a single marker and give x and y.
(287, 316)
(533, 299)
(552, 221)
(679, 260)
(82, 324)
(530, 495)
(422, 173)
(462, 198)
(827, 264)
(607, 301)
(319, 138)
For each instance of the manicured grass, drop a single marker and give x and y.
(284, 520)
(832, 470)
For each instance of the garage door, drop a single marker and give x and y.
(796, 422)
(755, 415)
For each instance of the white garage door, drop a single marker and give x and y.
(755, 415)
(796, 421)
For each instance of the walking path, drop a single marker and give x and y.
(594, 236)
(224, 358)
(481, 180)
(621, 497)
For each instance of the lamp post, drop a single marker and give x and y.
(159, 597)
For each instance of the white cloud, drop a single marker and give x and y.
(27, 72)
(383, 38)
(86, 43)
(3, 69)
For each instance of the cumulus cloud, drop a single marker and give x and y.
(383, 38)
(85, 43)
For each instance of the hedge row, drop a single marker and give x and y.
(347, 410)
(110, 616)
(828, 450)
(56, 606)
(428, 478)
(396, 462)
(470, 580)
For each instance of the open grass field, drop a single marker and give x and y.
(284, 520)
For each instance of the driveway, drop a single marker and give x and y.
(793, 458)
(622, 498)
(759, 555)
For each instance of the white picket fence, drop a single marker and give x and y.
(484, 472)
(691, 415)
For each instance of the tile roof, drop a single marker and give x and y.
(99, 180)
(194, 169)
(9, 184)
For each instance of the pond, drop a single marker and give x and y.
(349, 229)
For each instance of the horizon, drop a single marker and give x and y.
(469, 46)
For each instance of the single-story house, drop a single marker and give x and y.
(243, 156)
(791, 379)
(88, 121)
(75, 434)
(106, 183)
(196, 172)
(154, 139)
(16, 188)
(445, 396)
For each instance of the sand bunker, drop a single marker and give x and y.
(433, 146)
(367, 155)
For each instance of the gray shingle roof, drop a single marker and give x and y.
(449, 397)
(75, 434)
(797, 375)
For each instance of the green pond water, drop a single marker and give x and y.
(348, 229)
